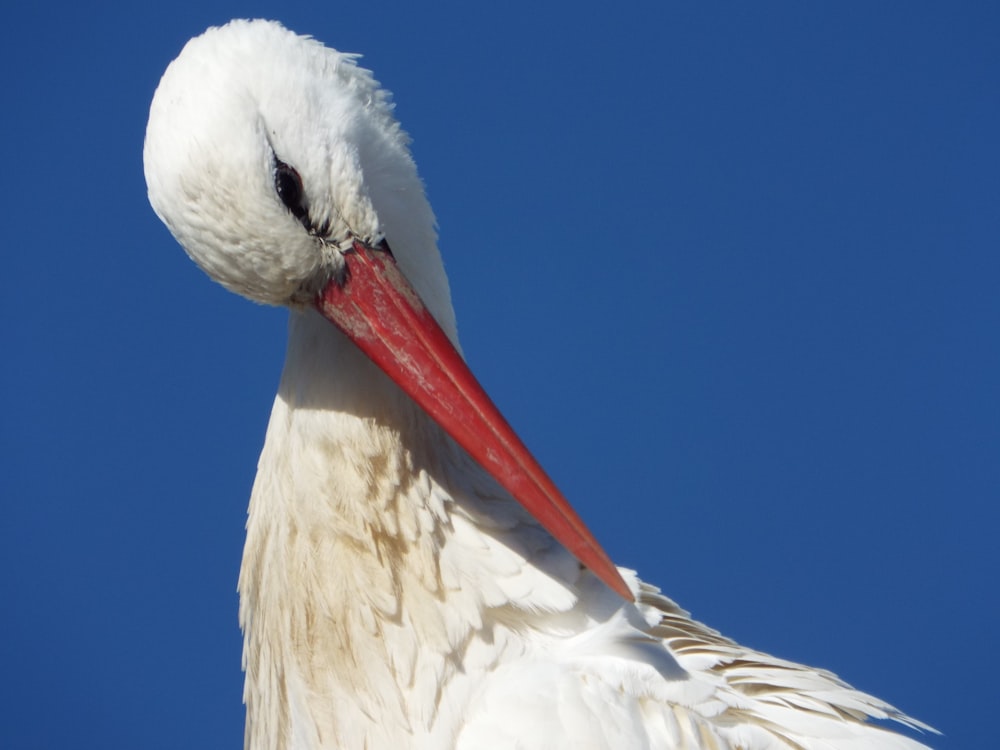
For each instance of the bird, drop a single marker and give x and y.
(411, 576)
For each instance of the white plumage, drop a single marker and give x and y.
(393, 594)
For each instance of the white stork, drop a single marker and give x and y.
(411, 577)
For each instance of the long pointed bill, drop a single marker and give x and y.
(375, 306)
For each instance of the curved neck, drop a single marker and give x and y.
(341, 591)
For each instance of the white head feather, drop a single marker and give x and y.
(243, 96)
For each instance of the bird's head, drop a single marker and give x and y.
(268, 155)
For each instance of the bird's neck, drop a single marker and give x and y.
(343, 604)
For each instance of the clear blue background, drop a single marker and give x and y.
(732, 272)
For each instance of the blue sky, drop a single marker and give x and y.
(731, 271)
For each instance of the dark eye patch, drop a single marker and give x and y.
(288, 186)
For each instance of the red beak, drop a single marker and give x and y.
(375, 306)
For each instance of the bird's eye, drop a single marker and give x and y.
(288, 186)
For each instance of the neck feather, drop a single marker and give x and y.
(342, 598)
(382, 565)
